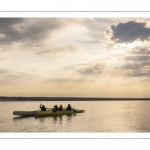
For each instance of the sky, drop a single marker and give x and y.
(89, 57)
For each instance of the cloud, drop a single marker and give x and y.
(131, 65)
(19, 29)
(138, 62)
(140, 51)
(137, 58)
(5, 71)
(9, 76)
(139, 73)
(31, 29)
(2, 58)
(58, 50)
(93, 69)
(89, 41)
(129, 32)
(63, 80)
(87, 69)
(132, 38)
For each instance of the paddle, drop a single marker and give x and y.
(47, 108)
(50, 108)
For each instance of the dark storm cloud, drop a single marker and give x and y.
(26, 30)
(7, 21)
(129, 32)
(8, 32)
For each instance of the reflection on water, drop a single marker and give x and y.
(41, 120)
(69, 117)
(21, 117)
(57, 118)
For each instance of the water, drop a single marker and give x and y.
(99, 116)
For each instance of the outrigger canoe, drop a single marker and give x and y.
(51, 113)
(46, 113)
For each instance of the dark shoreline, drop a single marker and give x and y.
(4, 98)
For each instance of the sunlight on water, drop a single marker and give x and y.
(99, 116)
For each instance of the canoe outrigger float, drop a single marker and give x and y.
(47, 113)
(25, 113)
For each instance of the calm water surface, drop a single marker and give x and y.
(99, 116)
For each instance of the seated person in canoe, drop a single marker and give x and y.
(42, 107)
(55, 108)
(60, 108)
(69, 107)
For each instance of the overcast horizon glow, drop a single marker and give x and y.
(99, 57)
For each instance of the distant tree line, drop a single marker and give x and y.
(20, 98)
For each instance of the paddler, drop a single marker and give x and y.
(69, 107)
(55, 108)
(42, 107)
(60, 108)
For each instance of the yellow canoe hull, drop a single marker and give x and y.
(51, 113)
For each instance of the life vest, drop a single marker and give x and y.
(60, 108)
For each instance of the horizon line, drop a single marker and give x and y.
(71, 97)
